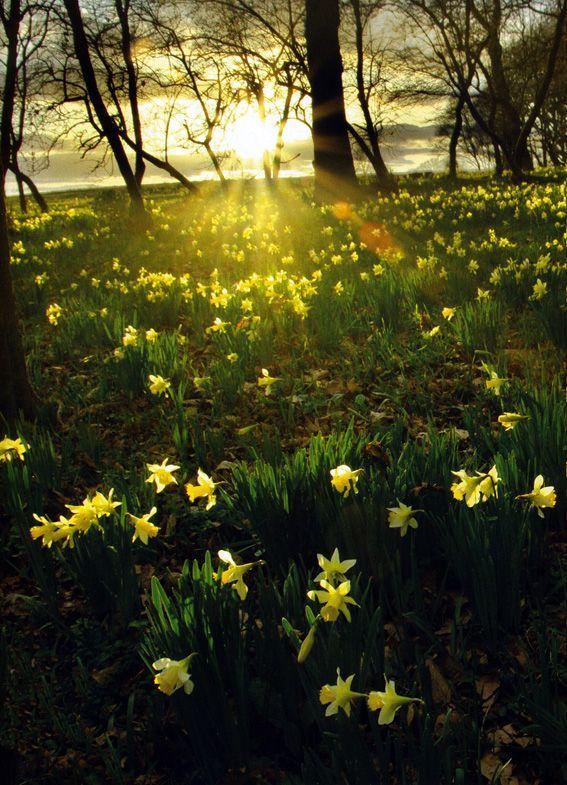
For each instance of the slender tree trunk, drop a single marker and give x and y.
(277, 159)
(21, 193)
(384, 179)
(335, 177)
(122, 9)
(455, 137)
(266, 162)
(35, 192)
(16, 396)
(107, 123)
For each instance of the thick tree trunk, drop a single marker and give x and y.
(107, 123)
(333, 163)
(16, 396)
(455, 137)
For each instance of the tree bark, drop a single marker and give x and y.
(335, 177)
(107, 123)
(455, 136)
(16, 395)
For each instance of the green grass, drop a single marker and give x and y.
(346, 315)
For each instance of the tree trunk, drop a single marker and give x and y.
(16, 396)
(455, 136)
(35, 192)
(122, 9)
(109, 128)
(333, 163)
(383, 177)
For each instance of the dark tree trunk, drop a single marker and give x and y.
(11, 27)
(332, 160)
(455, 137)
(107, 123)
(16, 396)
(372, 150)
(34, 190)
(122, 10)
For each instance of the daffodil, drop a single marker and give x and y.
(83, 515)
(540, 289)
(338, 696)
(151, 335)
(205, 488)
(130, 337)
(265, 380)
(333, 568)
(162, 474)
(388, 702)
(433, 332)
(173, 674)
(489, 484)
(51, 531)
(448, 313)
(541, 496)
(509, 420)
(402, 518)
(473, 489)
(334, 600)
(12, 448)
(234, 573)
(344, 479)
(495, 382)
(232, 357)
(158, 385)
(53, 313)
(143, 528)
(104, 504)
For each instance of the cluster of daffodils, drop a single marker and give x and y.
(11, 449)
(333, 596)
(341, 696)
(475, 488)
(83, 518)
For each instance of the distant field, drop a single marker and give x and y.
(385, 378)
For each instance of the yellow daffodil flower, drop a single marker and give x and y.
(12, 448)
(161, 474)
(151, 335)
(540, 289)
(473, 489)
(448, 313)
(53, 313)
(333, 568)
(83, 515)
(104, 505)
(205, 487)
(173, 675)
(265, 380)
(402, 518)
(388, 702)
(338, 696)
(344, 479)
(541, 496)
(158, 385)
(509, 420)
(333, 600)
(130, 337)
(235, 573)
(143, 528)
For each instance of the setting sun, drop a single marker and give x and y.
(248, 136)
